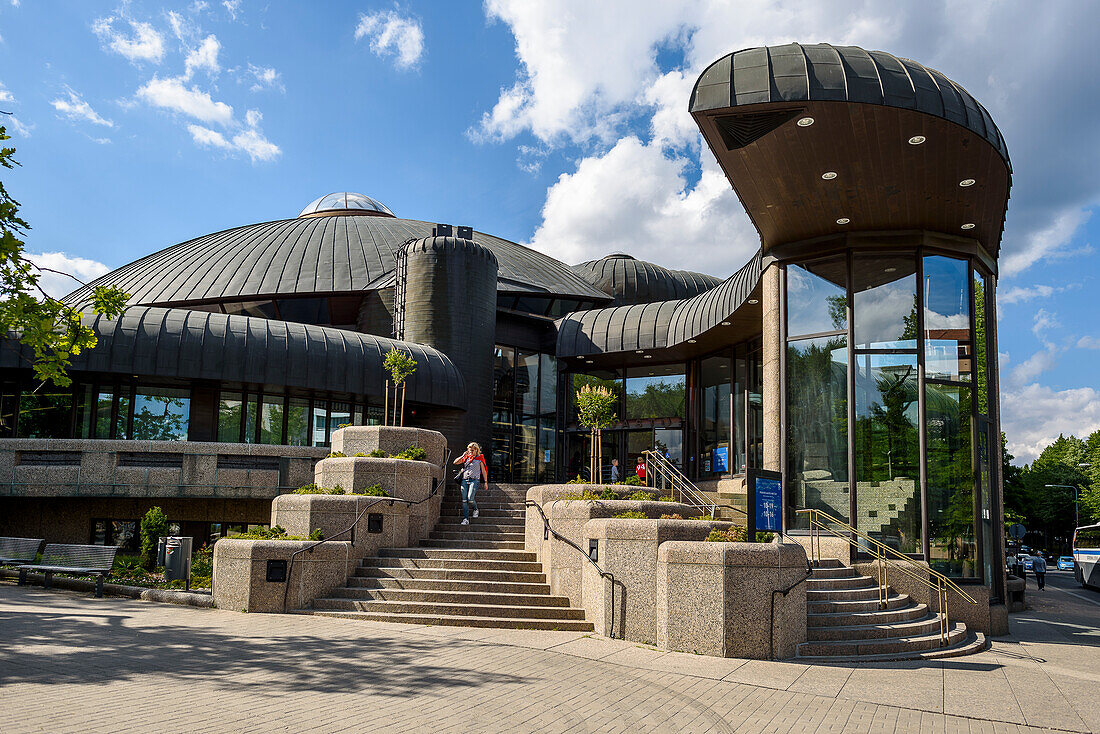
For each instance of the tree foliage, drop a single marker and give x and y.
(596, 406)
(53, 331)
(400, 365)
(153, 526)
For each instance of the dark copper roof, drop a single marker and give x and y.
(630, 281)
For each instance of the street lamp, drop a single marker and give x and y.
(1076, 509)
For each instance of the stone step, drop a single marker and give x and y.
(828, 563)
(496, 544)
(914, 628)
(512, 611)
(838, 572)
(447, 512)
(455, 598)
(483, 524)
(848, 607)
(883, 646)
(451, 570)
(818, 595)
(844, 582)
(486, 586)
(474, 532)
(459, 554)
(460, 620)
(886, 616)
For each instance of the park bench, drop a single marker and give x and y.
(78, 559)
(19, 550)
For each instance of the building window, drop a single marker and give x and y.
(230, 413)
(950, 480)
(46, 412)
(161, 414)
(297, 422)
(504, 381)
(884, 302)
(946, 319)
(272, 408)
(320, 423)
(715, 428)
(655, 392)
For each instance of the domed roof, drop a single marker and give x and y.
(346, 202)
(313, 255)
(630, 281)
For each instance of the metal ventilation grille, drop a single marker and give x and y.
(737, 131)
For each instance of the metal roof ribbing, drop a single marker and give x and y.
(632, 281)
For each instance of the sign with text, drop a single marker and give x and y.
(765, 490)
(721, 459)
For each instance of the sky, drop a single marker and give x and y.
(559, 124)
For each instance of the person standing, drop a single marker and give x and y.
(474, 472)
(614, 471)
(640, 469)
(1039, 566)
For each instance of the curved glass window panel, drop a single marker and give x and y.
(297, 422)
(946, 292)
(981, 340)
(884, 295)
(950, 480)
(345, 200)
(887, 443)
(161, 414)
(817, 427)
(259, 309)
(230, 412)
(271, 420)
(656, 392)
(816, 300)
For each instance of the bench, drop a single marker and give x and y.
(19, 550)
(78, 559)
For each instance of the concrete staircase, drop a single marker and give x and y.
(844, 622)
(475, 575)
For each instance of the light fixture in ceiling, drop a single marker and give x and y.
(889, 270)
(829, 175)
(648, 356)
(725, 323)
(805, 121)
(843, 220)
(691, 341)
(967, 182)
(754, 301)
(639, 351)
(917, 140)
(968, 225)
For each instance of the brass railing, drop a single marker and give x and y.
(663, 474)
(885, 559)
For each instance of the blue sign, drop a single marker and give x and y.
(721, 459)
(769, 495)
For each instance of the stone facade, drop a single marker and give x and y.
(391, 439)
(240, 573)
(301, 514)
(717, 598)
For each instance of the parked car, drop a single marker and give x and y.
(1025, 559)
(1065, 563)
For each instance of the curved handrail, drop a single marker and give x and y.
(900, 556)
(547, 528)
(661, 465)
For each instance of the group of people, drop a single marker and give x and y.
(639, 470)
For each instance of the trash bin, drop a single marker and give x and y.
(177, 558)
(161, 542)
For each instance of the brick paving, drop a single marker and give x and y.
(72, 663)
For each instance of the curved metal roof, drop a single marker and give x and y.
(656, 325)
(632, 281)
(823, 72)
(312, 255)
(193, 345)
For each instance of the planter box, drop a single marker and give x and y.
(391, 439)
(241, 572)
(301, 514)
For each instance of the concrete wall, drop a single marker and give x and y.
(240, 573)
(716, 599)
(301, 514)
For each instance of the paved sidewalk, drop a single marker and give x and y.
(69, 662)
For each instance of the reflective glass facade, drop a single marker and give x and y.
(524, 441)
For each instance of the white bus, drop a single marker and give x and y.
(1086, 555)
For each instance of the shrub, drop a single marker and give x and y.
(672, 517)
(733, 535)
(153, 525)
(413, 453)
(315, 489)
(632, 481)
(277, 532)
(664, 498)
(128, 562)
(764, 537)
(336, 455)
(202, 562)
(632, 515)
(577, 480)
(376, 454)
(375, 490)
(641, 495)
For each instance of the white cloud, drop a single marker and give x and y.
(1034, 415)
(1088, 342)
(635, 199)
(76, 109)
(1044, 322)
(144, 43)
(57, 285)
(5, 95)
(232, 7)
(391, 34)
(1021, 294)
(266, 78)
(204, 57)
(249, 141)
(171, 94)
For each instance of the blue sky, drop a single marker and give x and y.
(558, 124)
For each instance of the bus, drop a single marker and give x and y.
(1086, 555)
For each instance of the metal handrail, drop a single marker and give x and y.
(882, 554)
(548, 530)
(657, 463)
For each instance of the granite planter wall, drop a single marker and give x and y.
(391, 439)
(241, 568)
(301, 514)
(628, 550)
(717, 598)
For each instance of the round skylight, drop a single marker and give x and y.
(346, 202)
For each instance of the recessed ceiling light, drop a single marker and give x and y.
(805, 121)
(691, 341)
(725, 323)
(649, 356)
(890, 270)
(967, 182)
(917, 140)
(843, 220)
(754, 301)
(651, 373)
(829, 175)
(588, 361)
(639, 351)
(969, 225)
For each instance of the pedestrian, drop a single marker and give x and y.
(614, 471)
(474, 472)
(640, 469)
(1039, 566)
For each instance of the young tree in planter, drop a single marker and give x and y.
(52, 330)
(400, 365)
(596, 411)
(153, 526)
